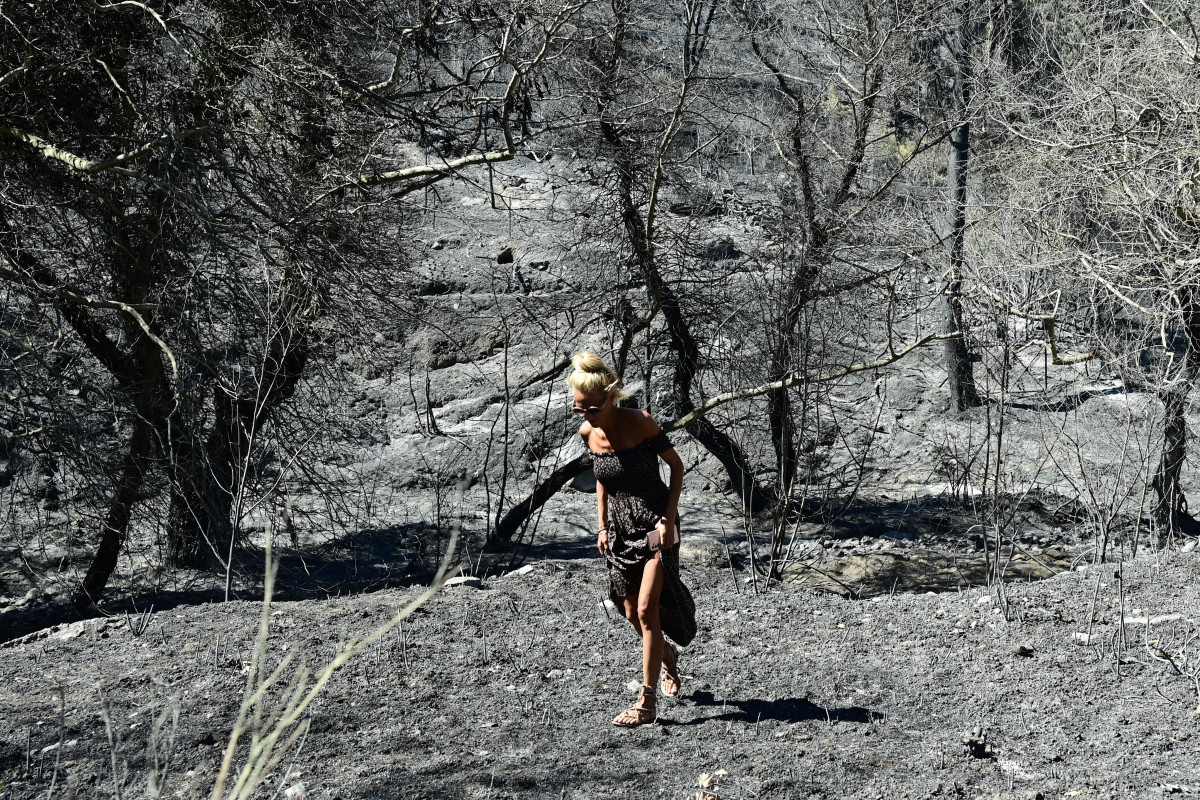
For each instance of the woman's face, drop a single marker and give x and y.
(591, 407)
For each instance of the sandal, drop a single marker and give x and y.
(640, 713)
(670, 681)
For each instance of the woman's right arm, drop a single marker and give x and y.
(601, 499)
(602, 516)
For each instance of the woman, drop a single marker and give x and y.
(638, 527)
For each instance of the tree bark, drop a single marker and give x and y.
(961, 379)
(133, 469)
(514, 520)
(1171, 512)
(200, 529)
(779, 402)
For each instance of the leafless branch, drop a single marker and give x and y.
(802, 379)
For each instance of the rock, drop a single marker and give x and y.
(30, 596)
(69, 632)
(976, 742)
(505, 256)
(721, 249)
(611, 610)
(1138, 618)
(525, 570)
(435, 288)
(437, 244)
(1189, 546)
(1079, 637)
(464, 580)
(703, 551)
(584, 481)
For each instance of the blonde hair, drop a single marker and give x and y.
(591, 375)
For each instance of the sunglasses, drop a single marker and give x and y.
(581, 410)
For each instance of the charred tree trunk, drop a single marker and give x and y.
(139, 235)
(782, 362)
(129, 483)
(680, 339)
(202, 524)
(1171, 512)
(779, 414)
(963, 394)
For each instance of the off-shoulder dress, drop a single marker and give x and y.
(637, 497)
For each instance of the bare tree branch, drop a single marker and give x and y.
(1049, 322)
(113, 163)
(15, 73)
(798, 380)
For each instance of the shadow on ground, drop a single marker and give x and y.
(939, 544)
(1072, 401)
(789, 710)
(370, 560)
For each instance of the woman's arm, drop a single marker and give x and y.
(601, 499)
(667, 527)
(675, 488)
(602, 517)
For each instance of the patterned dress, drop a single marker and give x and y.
(637, 497)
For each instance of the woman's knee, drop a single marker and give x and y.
(630, 609)
(648, 615)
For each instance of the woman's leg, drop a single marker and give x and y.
(648, 623)
(631, 613)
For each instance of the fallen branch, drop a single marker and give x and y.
(511, 522)
(443, 170)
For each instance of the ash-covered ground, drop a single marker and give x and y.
(1081, 685)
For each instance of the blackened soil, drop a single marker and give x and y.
(507, 691)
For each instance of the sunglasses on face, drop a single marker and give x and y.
(581, 410)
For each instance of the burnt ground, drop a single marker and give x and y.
(1081, 685)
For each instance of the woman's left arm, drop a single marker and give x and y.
(670, 530)
(676, 484)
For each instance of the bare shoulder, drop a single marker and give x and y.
(646, 424)
(585, 430)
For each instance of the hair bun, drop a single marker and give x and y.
(592, 376)
(588, 362)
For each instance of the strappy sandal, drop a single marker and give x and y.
(670, 681)
(643, 712)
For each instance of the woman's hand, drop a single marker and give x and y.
(602, 542)
(666, 532)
